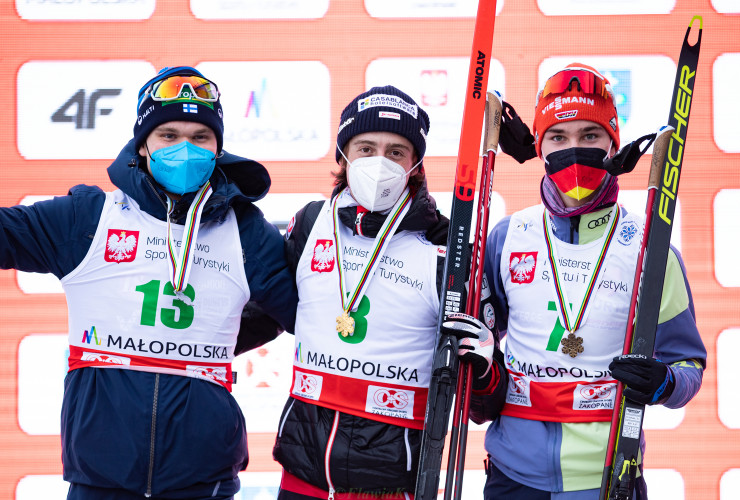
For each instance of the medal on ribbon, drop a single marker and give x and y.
(350, 301)
(573, 345)
(180, 262)
(345, 324)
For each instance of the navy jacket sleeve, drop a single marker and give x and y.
(271, 284)
(50, 236)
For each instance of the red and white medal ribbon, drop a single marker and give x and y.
(180, 261)
(382, 240)
(562, 302)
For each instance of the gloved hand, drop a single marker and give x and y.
(515, 138)
(646, 380)
(476, 346)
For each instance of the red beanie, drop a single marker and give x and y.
(562, 99)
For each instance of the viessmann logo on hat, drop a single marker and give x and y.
(389, 101)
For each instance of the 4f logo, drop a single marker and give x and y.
(81, 109)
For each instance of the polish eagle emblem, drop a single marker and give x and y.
(121, 245)
(323, 256)
(521, 266)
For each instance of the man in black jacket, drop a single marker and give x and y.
(368, 265)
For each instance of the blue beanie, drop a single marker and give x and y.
(384, 109)
(151, 113)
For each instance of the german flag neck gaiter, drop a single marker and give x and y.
(577, 172)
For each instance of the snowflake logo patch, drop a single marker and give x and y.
(627, 232)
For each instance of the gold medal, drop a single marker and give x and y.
(345, 324)
(572, 345)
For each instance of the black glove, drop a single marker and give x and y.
(476, 346)
(626, 159)
(515, 138)
(646, 380)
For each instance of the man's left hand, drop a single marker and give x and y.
(647, 380)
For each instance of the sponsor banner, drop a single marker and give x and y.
(437, 84)
(85, 10)
(661, 417)
(729, 485)
(48, 487)
(259, 9)
(726, 106)
(728, 377)
(665, 484)
(425, 8)
(266, 116)
(42, 366)
(604, 7)
(726, 7)
(642, 85)
(81, 109)
(726, 239)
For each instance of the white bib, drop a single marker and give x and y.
(545, 382)
(382, 370)
(123, 312)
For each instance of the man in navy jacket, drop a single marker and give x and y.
(157, 275)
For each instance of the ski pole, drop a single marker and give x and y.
(459, 433)
(621, 463)
(445, 364)
(659, 149)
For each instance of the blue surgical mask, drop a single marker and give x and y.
(182, 168)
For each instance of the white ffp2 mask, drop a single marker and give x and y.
(376, 182)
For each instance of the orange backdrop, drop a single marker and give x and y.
(346, 40)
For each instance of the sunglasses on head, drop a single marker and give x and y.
(587, 81)
(184, 87)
